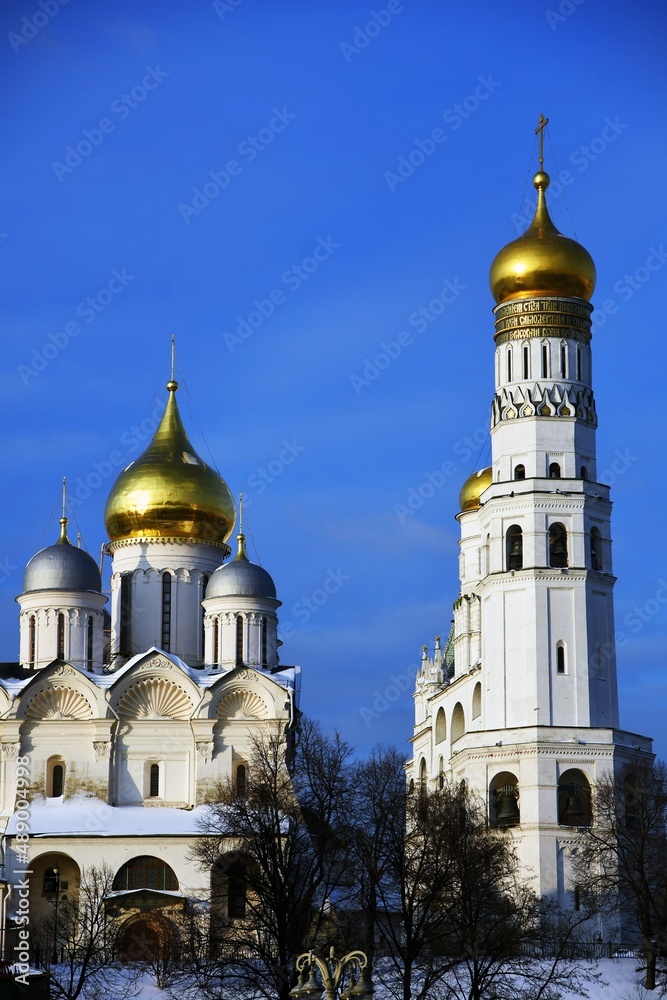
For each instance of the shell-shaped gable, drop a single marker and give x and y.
(155, 698)
(58, 702)
(242, 704)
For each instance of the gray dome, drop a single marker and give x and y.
(241, 578)
(62, 566)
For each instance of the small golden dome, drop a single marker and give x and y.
(542, 261)
(473, 488)
(169, 492)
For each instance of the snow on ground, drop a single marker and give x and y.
(618, 980)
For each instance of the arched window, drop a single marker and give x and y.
(241, 784)
(487, 555)
(504, 800)
(124, 637)
(89, 642)
(145, 872)
(574, 799)
(239, 640)
(423, 776)
(61, 636)
(557, 546)
(477, 701)
(55, 777)
(440, 726)
(584, 472)
(563, 359)
(514, 546)
(264, 642)
(526, 361)
(554, 471)
(154, 781)
(32, 640)
(578, 362)
(545, 360)
(519, 471)
(441, 773)
(560, 657)
(596, 549)
(166, 611)
(509, 364)
(458, 724)
(216, 639)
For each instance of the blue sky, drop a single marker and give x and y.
(262, 180)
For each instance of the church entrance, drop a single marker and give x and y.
(145, 939)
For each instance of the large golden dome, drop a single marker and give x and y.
(169, 492)
(542, 261)
(473, 488)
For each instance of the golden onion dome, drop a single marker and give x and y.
(169, 492)
(542, 261)
(473, 488)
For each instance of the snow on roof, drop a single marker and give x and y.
(89, 816)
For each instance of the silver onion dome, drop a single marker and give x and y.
(241, 578)
(62, 566)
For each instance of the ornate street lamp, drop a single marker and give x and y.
(331, 971)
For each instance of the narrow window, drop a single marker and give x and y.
(166, 611)
(554, 471)
(264, 643)
(584, 472)
(545, 360)
(526, 361)
(154, 786)
(216, 639)
(57, 780)
(61, 636)
(557, 546)
(563, 360)
(89, 642)
(241, 783)
(520, 472)
(509, 364)
(125, 612)
(596, 549)
(203, 617)
(32, 640)
(514, 547)
(239, 640)
(578, 362)
(560, 658)
(577, 898)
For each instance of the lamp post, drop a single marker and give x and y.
(332, 971)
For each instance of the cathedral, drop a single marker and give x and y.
(118, 724)
(521, 701)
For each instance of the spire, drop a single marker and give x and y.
(172, 384)
(64, 540)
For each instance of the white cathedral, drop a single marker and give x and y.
(521, 702)
(115, 728)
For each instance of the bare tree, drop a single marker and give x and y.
(622, 861)
(80, 941)
(278, 857)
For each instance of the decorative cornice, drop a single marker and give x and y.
(539, 400)
(126, 543)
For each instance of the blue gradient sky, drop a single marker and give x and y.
(333, 106)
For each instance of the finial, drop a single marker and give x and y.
(241, 554)
(241, 513)
(64, 540)
(172, 384)
(540, 131)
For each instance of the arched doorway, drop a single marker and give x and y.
(145, 939)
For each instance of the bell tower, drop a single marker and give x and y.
(527, 713)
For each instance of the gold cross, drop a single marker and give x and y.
(540, 130)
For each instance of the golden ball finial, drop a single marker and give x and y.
(172, 385)
(542, 261)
